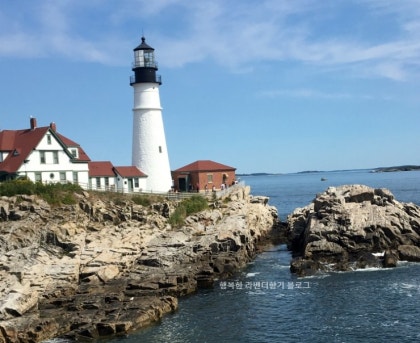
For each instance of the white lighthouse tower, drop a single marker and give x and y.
(149, 152)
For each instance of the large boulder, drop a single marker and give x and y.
(352, 226)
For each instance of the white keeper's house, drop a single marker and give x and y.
(41, 154)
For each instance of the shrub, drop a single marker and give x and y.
(15, 187)
(178, 217)
(186, 208)
(195, 204)
(141, 200)
(53, 193)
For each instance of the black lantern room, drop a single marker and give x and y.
(144, 65)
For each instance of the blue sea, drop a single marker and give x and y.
(266, 303)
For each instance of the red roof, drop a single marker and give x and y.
(20, 143)
(129, 171)
(101, 168)
(204, 166)
(70, 144)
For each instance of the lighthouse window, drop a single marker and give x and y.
(138, 58)
(160, 149)
(148, 59)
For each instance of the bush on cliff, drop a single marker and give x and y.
(186, 208)
(146, 199)
(16, 187)
(53, 193)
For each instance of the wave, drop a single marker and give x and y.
(251, 274)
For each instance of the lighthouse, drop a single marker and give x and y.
(149, 151)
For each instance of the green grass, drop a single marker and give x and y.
(53, 193)
(57, 194)
(147, 199)
(186, 208)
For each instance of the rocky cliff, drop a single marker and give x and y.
(99, 268)
(351, 227)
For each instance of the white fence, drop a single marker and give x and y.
(169, 195)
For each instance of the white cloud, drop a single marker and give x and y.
(236, 35)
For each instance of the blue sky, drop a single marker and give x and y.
(261, 85)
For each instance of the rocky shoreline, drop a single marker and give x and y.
(351, 227)
(100, 268)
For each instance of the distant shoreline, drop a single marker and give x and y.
(372, 170)
(396, 169)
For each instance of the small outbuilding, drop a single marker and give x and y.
(102, 176)
(202, 176)
(130, 179)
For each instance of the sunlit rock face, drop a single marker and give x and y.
(352, 226)
(102, 267)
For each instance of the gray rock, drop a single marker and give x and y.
(100, 268)
(409, 253)
(345, 225)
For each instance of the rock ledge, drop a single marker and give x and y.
(103, 268)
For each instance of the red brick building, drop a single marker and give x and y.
(203, 175)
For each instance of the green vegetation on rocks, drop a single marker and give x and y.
(186, 208)
(54, 193)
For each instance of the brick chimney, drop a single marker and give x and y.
(33, 123)
(53, 126)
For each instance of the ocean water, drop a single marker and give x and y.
(266, 303)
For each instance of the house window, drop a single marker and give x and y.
(75, 177)
(136, 182)
(38, 177)
(209, 178)
(48, 139)
(107, 182)
(42, 157)
(73, 152)
(62, 177)
(55, 157)
(98, 182)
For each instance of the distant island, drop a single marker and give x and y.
(395, 169)
(408, 167)
(309, 171)
(256, 174)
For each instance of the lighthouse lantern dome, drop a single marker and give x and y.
(144, 56)
(144, 65)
